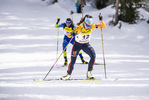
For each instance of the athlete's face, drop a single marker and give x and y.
(87, 25)
(68, 23)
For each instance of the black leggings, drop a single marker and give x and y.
(87, 48)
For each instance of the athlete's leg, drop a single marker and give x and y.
(74, 54)
(81, 56)
(65, 43)
(90, 51)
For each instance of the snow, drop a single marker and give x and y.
(28, 46)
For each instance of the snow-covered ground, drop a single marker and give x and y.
(28, 44)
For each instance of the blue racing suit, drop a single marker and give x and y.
(66, 39)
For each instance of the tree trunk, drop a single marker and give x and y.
(116, 14)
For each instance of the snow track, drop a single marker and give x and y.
(28, 41)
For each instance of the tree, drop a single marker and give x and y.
(49, 2)
(116, 14)
(100, 3)
(128, 11)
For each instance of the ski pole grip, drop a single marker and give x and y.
(58, 20)
(100, 17)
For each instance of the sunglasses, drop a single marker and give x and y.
(87, 25)
(68, 22)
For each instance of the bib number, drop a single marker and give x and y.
(86, 37)
(83, 38)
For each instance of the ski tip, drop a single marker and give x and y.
(116, 79)
(62, 66)
(38, 80)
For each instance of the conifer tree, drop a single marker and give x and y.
(100, 3)
(128, 10)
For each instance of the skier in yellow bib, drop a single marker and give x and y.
(82, 35)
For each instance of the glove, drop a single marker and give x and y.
(58, 20)
(71, 12)
(73, 34)
(100, 17)
(70, 35)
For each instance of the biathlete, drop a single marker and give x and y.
(82, 35)
(68, 26)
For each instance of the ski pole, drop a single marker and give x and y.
(57, 37)
(57, 41)
(57, 59)
(103, 48)
(71, 13)
(82, 10)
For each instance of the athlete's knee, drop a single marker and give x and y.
(93, 55)
(64, 44)
(80, 52)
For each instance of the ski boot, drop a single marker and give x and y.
(83, 61)
(67, 77)
(89, 75)
(65, 63)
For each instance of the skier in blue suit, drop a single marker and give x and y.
(68, 27)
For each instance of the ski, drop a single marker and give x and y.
(62, 66)
(67, 80)
(109, 79)
(38, 80)
(94, 63)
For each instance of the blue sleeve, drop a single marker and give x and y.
(61, 25)
(73, 26)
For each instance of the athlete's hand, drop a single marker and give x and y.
(58, 19)
(70, 35)
(73, 34)
(100, 17)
